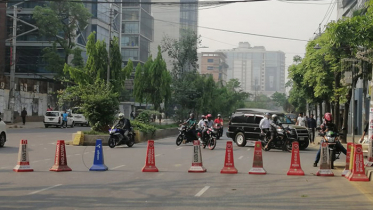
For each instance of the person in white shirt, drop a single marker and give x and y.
(265, 123)
(301, 121)
(201, 123)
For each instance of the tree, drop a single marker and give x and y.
(60, 21)
(183, 52)
(280, 99)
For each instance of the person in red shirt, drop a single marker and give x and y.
(49, 108)
(219, 120)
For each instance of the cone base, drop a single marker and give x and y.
(359, 177)
(23, 170)
(295, 172)
(229, 170)
(197, 169)
(325, 172)
(369, 164)
(345, 172)
(149, 169)
(257, 171)
(60, 168)
(101, 167)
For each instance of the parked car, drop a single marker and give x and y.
(79, 117)
(244, 126)
(54, 118)
(2, 133)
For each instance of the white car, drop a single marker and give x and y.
(79, 117)
(54, 118)
(2, 133)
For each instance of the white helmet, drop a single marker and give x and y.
(274, 117)
(121, 116)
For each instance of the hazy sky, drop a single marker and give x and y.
(298, 20)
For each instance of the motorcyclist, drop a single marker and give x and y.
(208, 124)
(191, 122)
(326, 126)
(265, 124)
(124, 125)
(201, 123)
(219, 120)
(273, 129)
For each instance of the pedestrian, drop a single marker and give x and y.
(132, 115)
(49, 108)
(312, 126)
(301, 121)
(64, 119)
(160, 118)
(23, 115)
(365, 132)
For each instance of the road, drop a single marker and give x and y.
(124, 186)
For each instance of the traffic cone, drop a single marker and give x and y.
(347, 167)
(324, 164)
(258, 160)
(60, 159)
(358, 172)
(229, 160)
(295, 167)
(197, 166)
(98, 159)
(351, 162)
(150, 159)
(23, 164)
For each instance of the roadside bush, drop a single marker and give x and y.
(143, 127)
(145, 116)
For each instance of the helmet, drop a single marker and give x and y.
(328, 117)
(121, 116)
(268, 114)
(203, 116)
(208, 116)
(274, 117)
(191, 115)
(219, 115)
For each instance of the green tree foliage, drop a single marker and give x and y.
(59, 21)
(280, 99)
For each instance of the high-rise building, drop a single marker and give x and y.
(213, 63)
(172, 21)
(258, 70)
(2, 37)
(345, 8)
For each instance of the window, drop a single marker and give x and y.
(210, 60)
(132, 54)
(130, 14)
(210, 68)
(130, 41)
(130, 28)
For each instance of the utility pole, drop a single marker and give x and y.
(13, 49)
(108, 65)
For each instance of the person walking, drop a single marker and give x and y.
(132, 115)
(64, 119)
(301, 121)
(312, 127)
(23, 115)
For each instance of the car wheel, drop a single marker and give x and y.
(46, 126)
(303, 145)
(73, 124)
(2, 140)
(240, 139)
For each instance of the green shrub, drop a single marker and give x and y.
(145, 116)
(143, 127)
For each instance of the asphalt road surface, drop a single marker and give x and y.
(124, 186)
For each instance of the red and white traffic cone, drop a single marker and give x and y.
(23, 164)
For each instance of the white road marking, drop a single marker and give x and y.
(177, 165)
(158, 155)
(47, 159)
(178, 148)
(86, 152)
(240, 157)
(48, 188)
(78, 154)
(118, 166)
(202, 191)
(35, 161)
(248, 149)
(45, 148)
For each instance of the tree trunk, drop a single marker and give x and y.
(327, 106)
(321, 113)
(316, 112)
(345, 116)
(337, 114)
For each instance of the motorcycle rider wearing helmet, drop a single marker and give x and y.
(219, 120)
(273, 130)
(201, 123)
(191, 124)
(326, 126)
(265, 124)
(124, 125)
(208, 124)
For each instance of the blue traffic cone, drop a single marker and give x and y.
(98, 160)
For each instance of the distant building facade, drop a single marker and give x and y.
(258, 70)
(345, 8)
(213, 63)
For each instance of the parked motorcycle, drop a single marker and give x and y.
(332, 138)
(117, 137)
(219, 129)
(283, 141)
(209, 138)
(184, 135)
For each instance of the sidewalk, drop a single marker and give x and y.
(28, 125)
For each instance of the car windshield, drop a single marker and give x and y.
(52, 114)
(284, 119)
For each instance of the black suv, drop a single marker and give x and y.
(244, 125)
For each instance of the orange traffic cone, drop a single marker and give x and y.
(150, 159)
(60, 160)
(295, 167)
(229, 161)
(258, 160)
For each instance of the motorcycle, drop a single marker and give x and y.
(209, 138)
(282, 140)
(117, 138)
(219, 129)
(332, 138)
(184, 136)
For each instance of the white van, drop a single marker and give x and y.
(2, 133)
(54, 118)
(79, 117)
